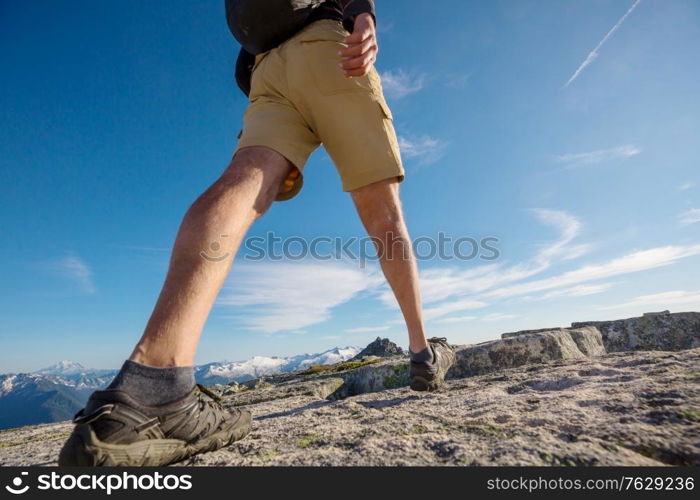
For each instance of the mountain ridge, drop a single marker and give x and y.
(615, 393)
(58, 391)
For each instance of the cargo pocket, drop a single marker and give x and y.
(386, 110)
(388, 124)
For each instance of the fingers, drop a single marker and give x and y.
(358, 66)
(359, 57)
(358, 49)
(361, 51)
(358, 72)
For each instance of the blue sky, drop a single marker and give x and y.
(567, 129)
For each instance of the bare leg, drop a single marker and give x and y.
(379, 208)
(242, 194)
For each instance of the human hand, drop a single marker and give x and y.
(361, 52)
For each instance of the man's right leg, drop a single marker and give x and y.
(214, 226)
(151, 413)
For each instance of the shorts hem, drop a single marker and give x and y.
(295, 158)
(374, 176)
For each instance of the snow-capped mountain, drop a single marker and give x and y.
(64, 367)
(258, 366)
(56, 393)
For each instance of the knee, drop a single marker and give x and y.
(385, 223)
(382, 218)
(247, 180)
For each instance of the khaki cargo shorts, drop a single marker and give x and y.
(300, 99)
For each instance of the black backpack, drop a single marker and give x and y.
(262, 25)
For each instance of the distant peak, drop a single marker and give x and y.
(64, 367)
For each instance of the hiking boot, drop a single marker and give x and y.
(431, 376)
(115, 430)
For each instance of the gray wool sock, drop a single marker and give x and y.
(153, 386)
(425, 356)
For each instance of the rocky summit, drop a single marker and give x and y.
(606, 393)
(381, 348)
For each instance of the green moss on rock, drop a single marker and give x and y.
(339, 367)
(399, 377)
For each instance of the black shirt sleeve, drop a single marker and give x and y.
(353, 8)
(244, 70)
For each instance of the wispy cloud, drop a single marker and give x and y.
(77, 270)
(692, 216)
(594, 53)
(574, 291)
(451, 307)
(569, 228)
(576, 160)
(686, 186)
(451, 290)
(399, 84)
(456, 319)
(493, 317)
(290, 296)
(384, 26)
(424, 149)
(457, 80)
(663, 299)
(634, 262)
(367, 329)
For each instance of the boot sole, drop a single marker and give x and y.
(83, 448)
(421, 384)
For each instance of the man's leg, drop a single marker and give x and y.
(221, 216)
(379, 207)
(151, 413)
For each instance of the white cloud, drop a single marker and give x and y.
(574, 291)
(686, 186)
(498, 317)
(464, 286)
(367, 329)
(384, 26)
(451, 290)
(457, 319)
(663, 299)
(631, 263)
(285, 296)
(594, 53)
(692, 216)
(457, 80)
(75, 269)
(576, 160)
(423, 148)
(399, 84)
(431, 313)
(569, 228)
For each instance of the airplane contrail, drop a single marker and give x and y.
(594, 53)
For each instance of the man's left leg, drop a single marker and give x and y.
(379, 207)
